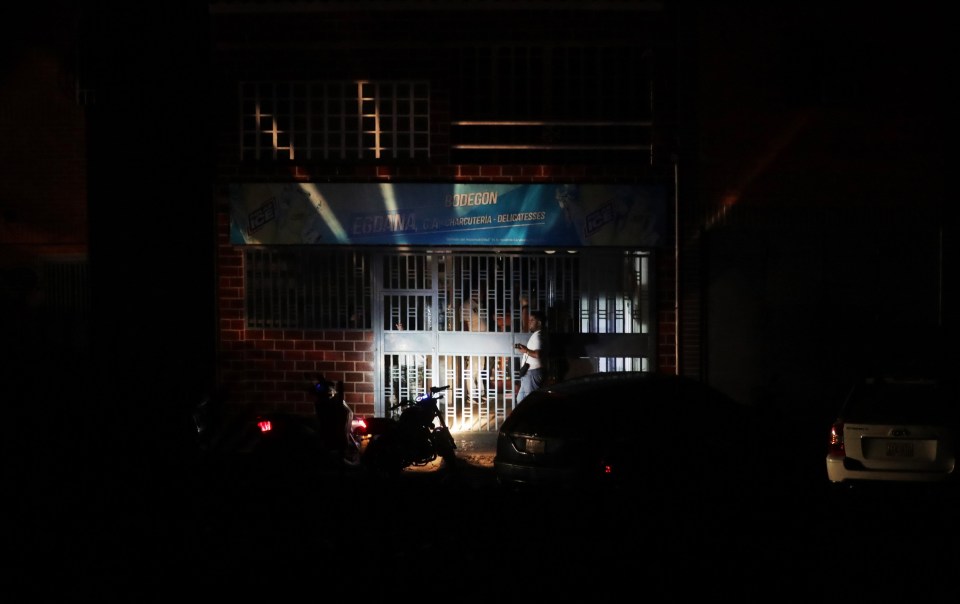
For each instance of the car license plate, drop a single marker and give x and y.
(899, 449)
(534, 446)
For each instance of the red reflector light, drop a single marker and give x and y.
(607, 469)
(836, 440)
(265, 425)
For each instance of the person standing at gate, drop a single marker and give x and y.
(531, 364)
(474, 320)
(524, 312)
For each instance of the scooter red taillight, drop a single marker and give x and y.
(265, 425)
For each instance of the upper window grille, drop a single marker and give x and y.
(320, 120)
(576, 103)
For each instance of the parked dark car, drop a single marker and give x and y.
(633, 429)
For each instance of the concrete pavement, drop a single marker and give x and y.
(473, 448)
(477, 448)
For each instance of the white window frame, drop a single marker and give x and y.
(340, 120)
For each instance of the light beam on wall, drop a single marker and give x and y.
(322, 206)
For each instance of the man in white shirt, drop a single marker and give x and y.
(533, 355)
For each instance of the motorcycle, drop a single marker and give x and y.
(414, 435)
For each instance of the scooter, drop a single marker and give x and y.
(414, 435)
(290, 441)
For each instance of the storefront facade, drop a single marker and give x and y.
(391, 229)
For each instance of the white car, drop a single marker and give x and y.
(895, 429)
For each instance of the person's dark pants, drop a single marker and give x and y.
(533, 380)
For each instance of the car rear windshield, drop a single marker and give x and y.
(902, 401)
(548, 413)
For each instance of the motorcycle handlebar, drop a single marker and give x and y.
(407, 402)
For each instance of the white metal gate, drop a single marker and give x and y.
(452, 318)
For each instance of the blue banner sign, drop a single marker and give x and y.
(563, 215)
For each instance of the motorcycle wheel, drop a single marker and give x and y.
(352, 452)
(382, 456)
(444, 443)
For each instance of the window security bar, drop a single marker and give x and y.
(554, 135)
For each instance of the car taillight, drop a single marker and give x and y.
(836, 439)
(265, 425)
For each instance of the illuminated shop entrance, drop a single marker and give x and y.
(440, 278)
(452, 318)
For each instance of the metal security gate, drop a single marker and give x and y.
(452, 318)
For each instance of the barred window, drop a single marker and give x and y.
(319, 120)
(602, 292)
(307, 288)
(554, 82)
(517, 104)
(66, 285)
